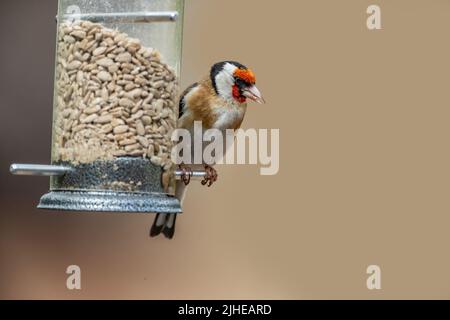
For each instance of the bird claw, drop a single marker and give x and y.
(211, 176)
(186, 174)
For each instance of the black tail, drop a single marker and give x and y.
(165, 224)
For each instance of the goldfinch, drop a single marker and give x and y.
(219, 101)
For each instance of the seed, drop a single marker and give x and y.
(78, 128)
(140, 129)
(104, 119)
(141, 81)
(130, 86)
(121, 129)
(69, 39)
(90, 45)
(143, 141)
(147, 53)
(79, 34)
(119, 153)
(134, 46)
(136, 93)
(124, 57)
(132, 147)
(120, 37)
(127, 142)
(135, 71)
(149, 98)
(113, 68)
(74, 65)
(138, 115)
(66, 113)
(159, 105)
(92, 110)
(127, 103)
(151, 150)
(105, 94)
(99, 51)
(147, 120)
(117, 122)
(75, 114)
(111, 86)
(107, 128)
(105, 62)
(90, 118)
(120, 137)
(162, 130)
(136, 153)
(98, 101)
(157, 84)
(86, 56)
(104, 76)
(157, 161)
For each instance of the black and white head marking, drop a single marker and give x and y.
(222, 77)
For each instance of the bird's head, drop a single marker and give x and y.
(235, 82)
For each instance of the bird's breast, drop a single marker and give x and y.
(229, 117)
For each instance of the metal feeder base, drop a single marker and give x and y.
(120, 185)
(109, 201)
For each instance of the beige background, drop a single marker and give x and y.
(364, 173)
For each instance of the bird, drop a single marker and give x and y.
(219, 101)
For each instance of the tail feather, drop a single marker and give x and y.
(158, 225)
(169, 228)
(165, 223)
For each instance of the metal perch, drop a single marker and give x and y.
(57, 171)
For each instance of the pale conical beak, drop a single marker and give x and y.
(254, 94)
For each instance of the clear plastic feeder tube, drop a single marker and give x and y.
(116, 98)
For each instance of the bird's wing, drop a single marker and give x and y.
(182, 108)
(200, 103)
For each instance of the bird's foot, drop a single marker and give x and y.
(211, 176)
(186, 174)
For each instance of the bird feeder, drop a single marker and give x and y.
(115, 107)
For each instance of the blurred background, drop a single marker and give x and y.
(364, 173)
